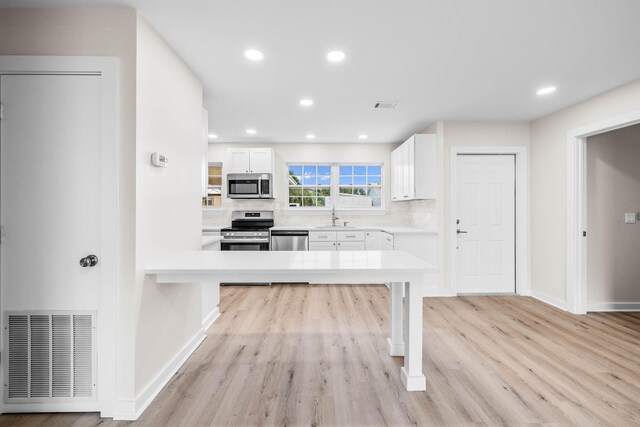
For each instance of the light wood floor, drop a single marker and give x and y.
(316, 355)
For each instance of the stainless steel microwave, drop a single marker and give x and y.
(250, 186)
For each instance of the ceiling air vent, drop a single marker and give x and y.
(386, 105)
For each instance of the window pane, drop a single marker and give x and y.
(324, 170)
(374, 180)
(359, 170)
(373, 192)
(322, 201)
(295, 170)
(324, 191)
(346, 170)
(359, 180)
(346, 190)
(295, 191)
(294, 180)
(360, 191)
(309, 180)
(309, 170)
(309, 201)
(374, 170)
(295, 201)
(376, 202)
(324, 180)
(309, 192)
(346, 180)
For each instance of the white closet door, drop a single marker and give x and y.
(486, 211)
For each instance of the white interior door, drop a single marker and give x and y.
(486, 215)
(50, 195)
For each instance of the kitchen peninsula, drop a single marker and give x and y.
(398, 268)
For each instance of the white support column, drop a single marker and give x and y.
(395, 340)
(411, 372)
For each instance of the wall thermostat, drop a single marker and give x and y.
(159, 160)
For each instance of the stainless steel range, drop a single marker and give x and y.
(249, 231)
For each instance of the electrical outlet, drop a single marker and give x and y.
(630, 217)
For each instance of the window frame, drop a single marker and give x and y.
(335, 188)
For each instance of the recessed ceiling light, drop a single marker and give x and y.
(546, 90)
(251, 131)
(363, 136)
(212, 136)
(253, 54)
(311, 136)
(306, 102)
(336, 56)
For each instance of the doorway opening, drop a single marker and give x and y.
(593, 217)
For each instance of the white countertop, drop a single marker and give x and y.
(207, 240)
(391, 230)
(320, 266)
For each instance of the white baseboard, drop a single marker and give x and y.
(556, 302)
(212, 317)
(613, 306)
(131, 410)
(7, 408)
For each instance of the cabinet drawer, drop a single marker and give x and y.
(322, 236)
(351, 246)
(351, 236)
(322, 246)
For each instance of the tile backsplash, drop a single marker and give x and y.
(418, 213)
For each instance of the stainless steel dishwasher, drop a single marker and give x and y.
(289, 240)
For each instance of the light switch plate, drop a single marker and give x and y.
(630, 217)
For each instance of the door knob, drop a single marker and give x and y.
(89, 261)
(461, 231)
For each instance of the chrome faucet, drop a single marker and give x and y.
(334, 218)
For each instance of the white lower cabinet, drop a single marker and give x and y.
(336, 241)
(351, 246)
(322, 246)
(372, 240)
(386, 241)
(322, 236)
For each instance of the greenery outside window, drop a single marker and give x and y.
(360, 186)
(357, 186)
(310, 185)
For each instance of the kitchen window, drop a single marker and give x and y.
(357, 186)
(360, 186)
(310, 185)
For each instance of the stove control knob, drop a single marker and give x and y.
(232, 234)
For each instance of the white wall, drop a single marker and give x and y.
(95, 32)
(460, 134)
(168, 213)
(398, 213)
(613, 188)
(160, 109)
(548, 182)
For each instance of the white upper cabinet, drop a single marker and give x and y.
(249, 160)
(261, 160)
(414, 169)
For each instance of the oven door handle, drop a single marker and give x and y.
(237, 241)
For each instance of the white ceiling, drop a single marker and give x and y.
(442, 59)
